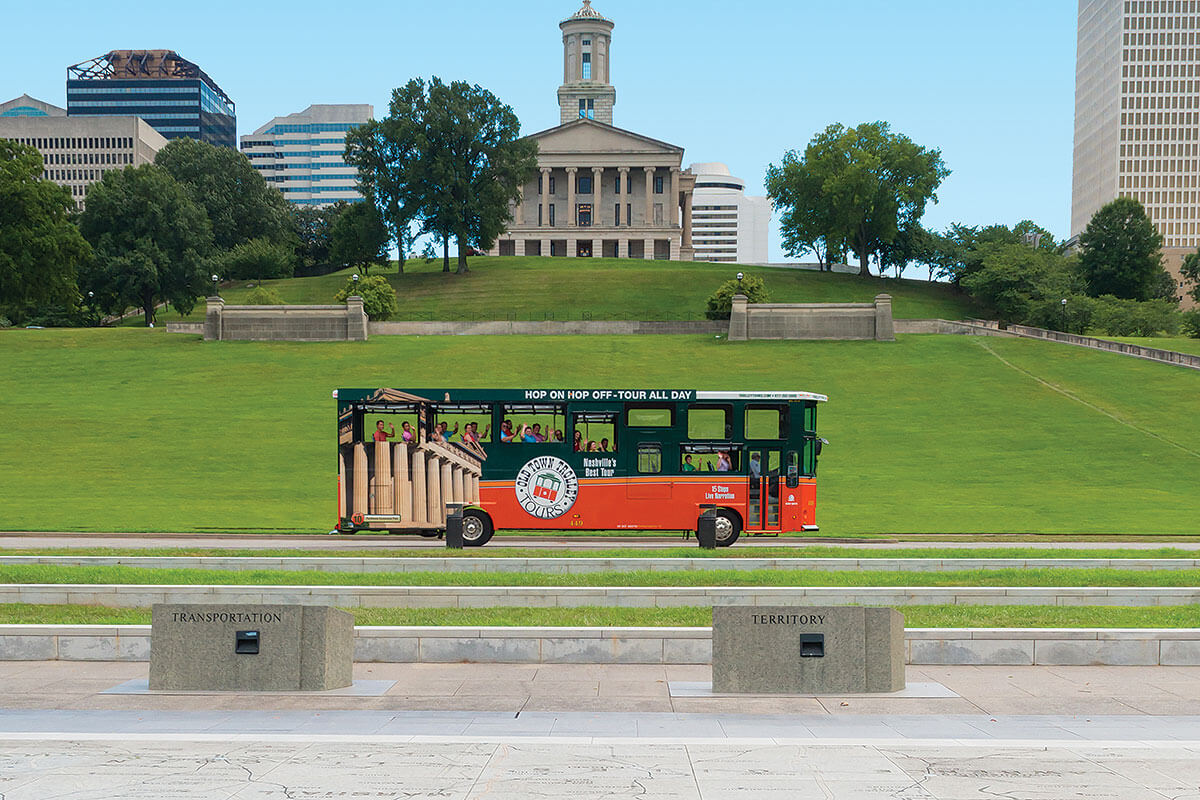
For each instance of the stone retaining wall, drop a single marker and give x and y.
(852, 321)
(140, 596)
(948, 327)
(286, 322)
(583, 566)
(1124, 348)
(923, 646)
(547, 328)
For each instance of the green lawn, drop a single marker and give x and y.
(127, 429)
(49, 573)
(1179, 344)
(939, 616)
(602, 288)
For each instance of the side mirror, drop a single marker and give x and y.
(820, 444)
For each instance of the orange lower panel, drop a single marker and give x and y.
(644, 504)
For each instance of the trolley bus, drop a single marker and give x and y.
(576, 459)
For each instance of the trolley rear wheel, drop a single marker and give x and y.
(729, 527)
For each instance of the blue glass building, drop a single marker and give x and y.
(173, 95)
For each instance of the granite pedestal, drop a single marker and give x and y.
(807, 650)
(262, 648)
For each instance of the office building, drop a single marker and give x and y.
(303, 154)
(26, 106)
(1137, 115)
(727, 225)
(77, 151)
(172, 94)
(600, 190)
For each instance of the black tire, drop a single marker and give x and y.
(729, 527)
(429, 534)
(477, 528)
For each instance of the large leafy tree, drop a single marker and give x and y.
(861, 186)
(40, 248)
(1190, 269)
(150, 240)
(313, 228)
(449, 156)
(359, 236)
(807, 222)
(240, 204)
(1122, 252)
(1012, 278)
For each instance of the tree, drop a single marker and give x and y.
(150, 241)
(720, 302)
(1013, 278)
(40, 248)
(257, 259)
(861, 186)
(806, 221)
(359, 237)
(1190, 270)
(912, 243)
(240, 204)
(1121, 252)
(448, 156)
(313, 227)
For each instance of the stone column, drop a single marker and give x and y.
(519, 212)
(739, 319)
(519, 247)
(597, 196)
(382, 492)
(571, 220)
(212, 319)
(543, 203)
(885, 330)
(433, 491)
(649, 220)
(360, 480)
(460, 496)
(623, 196)
(447, 486)
(475, 498)
(648, 250)
(623, 247)
(597, 248)
(545, 247)
(673, 199)
(356, 319)
(418, 487)
(687, 220)
(403, 504)
(341, 486)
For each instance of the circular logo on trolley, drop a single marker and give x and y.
(547, 487)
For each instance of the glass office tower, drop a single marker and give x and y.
(170, 93)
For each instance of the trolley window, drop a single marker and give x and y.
(793, 469)
(710, 422)
(649, 458)
(531, 423)
(650, 416)
(594, 427)
(463, 421)
(709, 457)
(766, 422)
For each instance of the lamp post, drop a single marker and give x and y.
(354, 278)
(216, 292)
(739, 277)
(92, 308)
(1064, 315)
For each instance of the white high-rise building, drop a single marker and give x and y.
(1137, 115)
(726, 224)
(302, 154)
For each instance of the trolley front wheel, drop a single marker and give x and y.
(729, 527)
(477, 527)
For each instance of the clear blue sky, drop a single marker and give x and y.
(989, 83)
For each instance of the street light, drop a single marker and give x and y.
(739, 277)
(1064, 310)
(214, 280)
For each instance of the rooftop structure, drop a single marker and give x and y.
(26, 106)
(727, 225)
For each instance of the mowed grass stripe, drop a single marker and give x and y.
(693, 552)
(50, 574)
(932, 616)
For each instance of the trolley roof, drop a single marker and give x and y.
(436, 396)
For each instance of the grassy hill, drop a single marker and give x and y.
(605, 288)
(142, 430)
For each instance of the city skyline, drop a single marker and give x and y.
(992, 88)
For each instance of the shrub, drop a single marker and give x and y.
(720, 304)
(1191, 323)
(257, 259)
(379, 298)
(1118, 317)
(264, 296)
(1075, 317)
(5, 322)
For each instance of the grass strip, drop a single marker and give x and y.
(51, 574)
(932, 616)
(734, 553)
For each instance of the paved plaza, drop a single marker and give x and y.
(69, 729)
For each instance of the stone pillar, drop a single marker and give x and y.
(571, 219)
(475, 488)
(648, 249)
(433, 491)
(403, 499)
(356, 319)
(447, 486)
(597, 248)
(597, 196)
(623, 196)
(687, 221)
(543, 203)
(418, 487)
(519, 247)
(739, 319)
(519, 211)
(341, 486)
(545, 247)
(212, 319)
(885, 330)
(382, 492)
(572, 247)
(457, 484)
(361, 489)
(673, 200)
(649, 219)
(623, 248)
